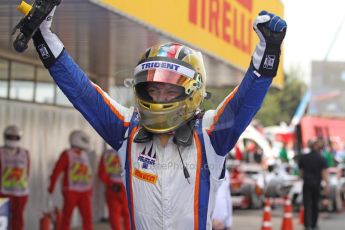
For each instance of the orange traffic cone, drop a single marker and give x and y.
(287, 223)
(266, 216)
(301, 215)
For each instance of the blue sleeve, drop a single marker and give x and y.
(106, 116)
(235, 113)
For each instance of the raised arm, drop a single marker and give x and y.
(225, 124)
(60, 167)
(109, 118)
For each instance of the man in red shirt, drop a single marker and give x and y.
(14, 173)
(74, 163)
(109, 171)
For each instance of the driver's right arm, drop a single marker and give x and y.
(109, 118)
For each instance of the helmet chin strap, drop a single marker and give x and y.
(143, 136)
(183, 136)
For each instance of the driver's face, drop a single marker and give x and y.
(161, 92)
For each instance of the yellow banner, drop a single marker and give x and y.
(222, 28)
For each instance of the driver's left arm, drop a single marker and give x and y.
(225, 124)
(236, 111)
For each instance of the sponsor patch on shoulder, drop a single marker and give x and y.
(148, 177)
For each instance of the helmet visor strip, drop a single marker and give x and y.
(163, 70)
(163, 76)
(165, 64)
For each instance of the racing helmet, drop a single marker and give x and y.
(12, 136)
(174, 64)
(79, 139)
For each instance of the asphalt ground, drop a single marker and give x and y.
(252, 219)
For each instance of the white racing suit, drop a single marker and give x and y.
(223, 204)
(159, 196)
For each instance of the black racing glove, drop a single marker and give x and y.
(47, 44)
(271, 30)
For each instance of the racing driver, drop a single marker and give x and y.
(172, 152)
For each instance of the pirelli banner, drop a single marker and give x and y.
(222, 28)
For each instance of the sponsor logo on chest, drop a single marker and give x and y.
(147, 157)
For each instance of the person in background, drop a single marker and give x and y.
(238, 153)
(283, 156)
(328, 154)
(75, 165)
(250, 151)
(14, 173)
(271, 172)
(339, 150)
(109, 171)
(313, 169)
(222, 215)
(258, 155)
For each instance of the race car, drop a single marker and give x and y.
(333, 201)
(246, 186)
